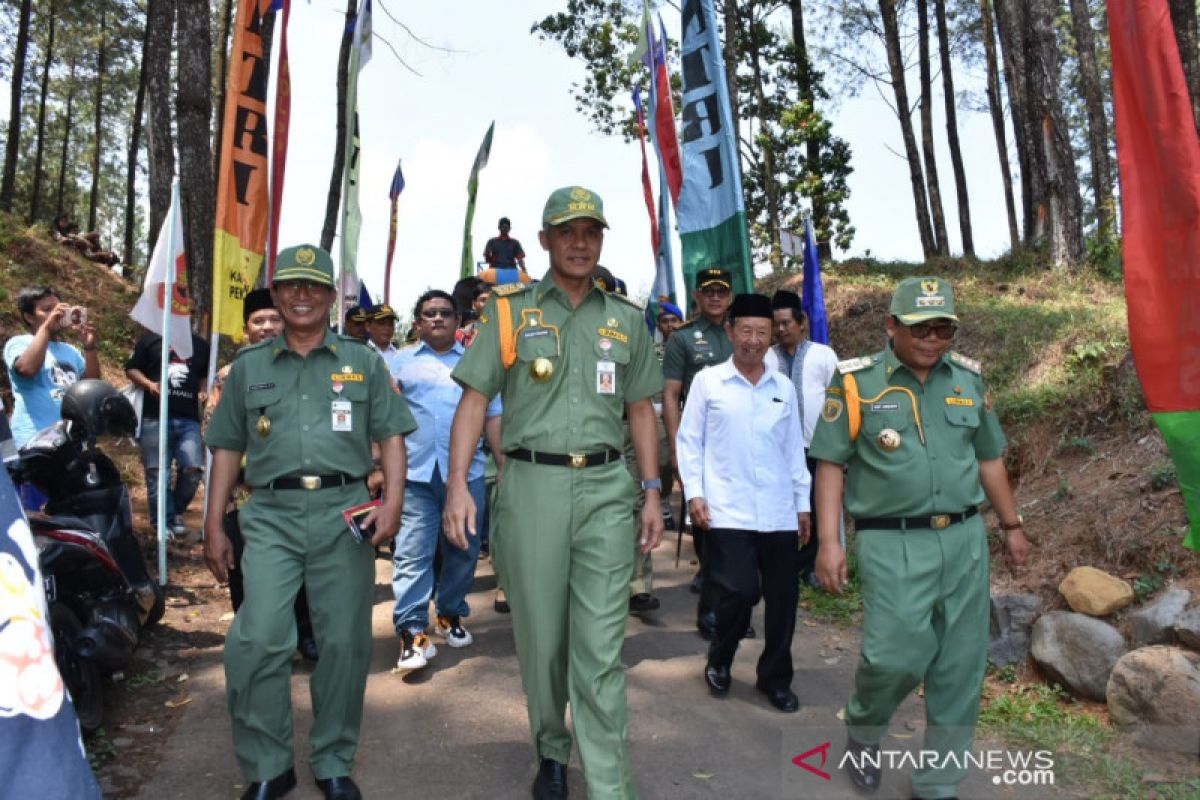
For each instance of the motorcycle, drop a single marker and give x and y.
(98, 590)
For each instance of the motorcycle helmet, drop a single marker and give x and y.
(95, 408)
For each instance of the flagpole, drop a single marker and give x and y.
(164, 384)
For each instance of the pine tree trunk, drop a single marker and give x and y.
(16, 87)
(770, 186)
(222, 77)
(35, 201)
(68, 122)
(812, 154)
(891, 36)
(996, 105)
(926, 103)
(1063, 206)
(193, 111)
(339, 146)
(129, 256)
(956, 159)
(1093, 96)
(160, 25)
(98, 132)
(1183, 17)
(1009, 16)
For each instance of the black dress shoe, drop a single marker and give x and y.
(784, 700)
(706, 623)
(643, 602)
(308, 648)
(501, 606)
(278, 786)
(340, 788)
(551, 781)
(718, 680)
(864, 765)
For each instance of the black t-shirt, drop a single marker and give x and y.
(183, 377)
(503, 252)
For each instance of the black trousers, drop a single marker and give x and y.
(808, 553)
(746, 566)
(237, 593)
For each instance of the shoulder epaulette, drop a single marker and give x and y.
(627, 302)
(505, 289)
(966, 362)
(251, 347)
(688, 324)
(345, 337)
(855, 364)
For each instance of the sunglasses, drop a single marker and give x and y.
(715, 291)
(923, 330)
(433, 313)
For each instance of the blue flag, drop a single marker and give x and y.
(364, 297)
(812, 301)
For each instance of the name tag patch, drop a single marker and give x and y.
(885, 406)
(960, 401)
(258, 387)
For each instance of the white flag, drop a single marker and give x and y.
(168, 267)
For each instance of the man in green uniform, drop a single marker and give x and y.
(304, 408)
(699, 343)
(913, 426)
(568, 358)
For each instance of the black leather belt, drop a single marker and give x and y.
(574, 460)
(935, 521)
(311, 482)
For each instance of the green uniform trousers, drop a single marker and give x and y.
(565, 558)
(296, 537)
(925, 617)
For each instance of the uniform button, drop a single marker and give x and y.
(574, 430)
(308, 461)
(575, 370)
(574, 401)
(303, 397)
(305, 427)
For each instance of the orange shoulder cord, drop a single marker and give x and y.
(853, 411)
(508, 342)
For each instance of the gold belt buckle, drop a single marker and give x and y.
(310, 482)
(939, 521)
(578, 460)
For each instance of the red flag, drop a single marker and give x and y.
(283, 111)
(664, 115)
(637, 103)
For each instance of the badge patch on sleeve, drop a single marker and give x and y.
(832, 409)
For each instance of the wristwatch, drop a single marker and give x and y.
(653, 483)
(1013, 526)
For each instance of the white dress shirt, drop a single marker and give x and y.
(741, 448)
(820, 362)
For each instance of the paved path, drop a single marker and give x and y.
(457, 729)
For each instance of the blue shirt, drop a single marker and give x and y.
(38, 400)
(423, 374)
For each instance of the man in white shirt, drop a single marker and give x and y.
(740, 451)
(810, 365)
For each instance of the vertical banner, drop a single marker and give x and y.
(240, 235)
(666, 143)
(712, 211)
(360, 54)
(1159, 159)
(394, 194)
(812, 300)
(481, 160)
(167, 274)
(279, 147)
(647, 190)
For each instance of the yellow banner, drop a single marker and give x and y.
(240, 238)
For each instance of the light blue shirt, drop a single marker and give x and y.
(423, 374)
(37, 401)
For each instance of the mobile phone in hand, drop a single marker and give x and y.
(354, 517)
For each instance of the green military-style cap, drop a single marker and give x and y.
(920, 299)
(573, 202)
(382, 312)
(304, 262)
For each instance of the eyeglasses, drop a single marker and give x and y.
(715, 291)
(433, 313)
(923, 330)
(294, 287)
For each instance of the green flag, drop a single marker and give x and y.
(481, 160)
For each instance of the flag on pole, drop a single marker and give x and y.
(647, 190)
(360, 54)
(279, 147)
(364, 297)
(240, 235)
(481, 161)
(651, 51)
(812, 299)
(711, 210)
(394, 194)
(167, 274)
(1159, 159)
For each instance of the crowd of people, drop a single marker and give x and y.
(546, 423)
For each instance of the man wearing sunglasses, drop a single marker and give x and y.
(914, 429)
(423, 375)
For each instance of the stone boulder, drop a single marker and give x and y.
(1187, 628)
(1155, 624)
(1012, 619)
(1155, 692)
(1093, 591)
(1076, 651)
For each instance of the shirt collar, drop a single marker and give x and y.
(891, 363)
(456, 347)
(548, 287)
(279, 343)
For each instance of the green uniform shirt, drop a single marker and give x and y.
(694, 345)
(567, 413)
(940, 475)
(297, 395)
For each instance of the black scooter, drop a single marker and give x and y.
(98, 589)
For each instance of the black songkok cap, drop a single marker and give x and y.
(785, 298)
(256, 300)
(751, 305)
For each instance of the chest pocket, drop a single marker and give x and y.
(539, 342)
(893, 412)
(265, 398)
(616, 351)
(963, 416)
(354, 391)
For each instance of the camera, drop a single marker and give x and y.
(76, 317)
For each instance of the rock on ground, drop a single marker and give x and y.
(1187, 628)
(1012, 620)
(1076, 651)
(1093, 591)
(1155, 624)
(1156, 691)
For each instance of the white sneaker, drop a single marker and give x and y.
(415, 651)
(456, 635)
